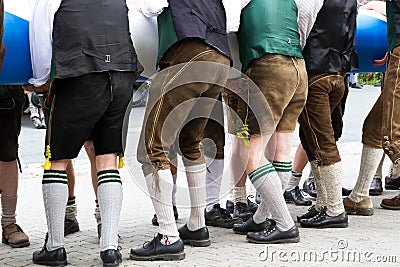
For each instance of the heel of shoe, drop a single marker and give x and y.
(198, 243)
(175, 257)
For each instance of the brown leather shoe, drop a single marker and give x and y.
(392, 184)
(375, 189)
(391, 203)
(14, 236)
(363, 207)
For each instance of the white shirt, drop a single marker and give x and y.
(306, 16)
(41, 40)
(233, 8)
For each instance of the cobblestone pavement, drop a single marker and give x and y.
(373, 240)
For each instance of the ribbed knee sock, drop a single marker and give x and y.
(268, 185)
(331, 179)
(197, 191)
(160, 186)
(370, 158)
(8, 206)
(110, 202)
(294, 180)
(55, 196)
(214, 172)
(321, 190)
(283, 169)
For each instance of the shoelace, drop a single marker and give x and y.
(312, 185)
(147, 244)
(224, 213)
(271, 227)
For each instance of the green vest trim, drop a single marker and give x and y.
(166, 33)
(268, 27)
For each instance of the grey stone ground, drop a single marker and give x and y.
(368, 240)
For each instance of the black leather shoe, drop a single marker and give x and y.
(376, 189)
(294, 196)
(392, 184)
(219, 217)
(311, 213)
(249, 226)
(310, 188)
(229, 206)
(154, 221)
(346, 192)
(154, 250)
(70, 226)
(252, 205)
(323, 220)
(56, 257)
(198, 238)
(242, 211)
(111, 257)
(271, 235)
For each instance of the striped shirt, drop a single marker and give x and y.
(307, 14)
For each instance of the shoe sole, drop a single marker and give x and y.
(278, 241)
(21, 245)
(390, 207)
(298, 204)
(375, 193)
(366, 212)
(197, 243)
(51, 263)
(220, 225)
(240, 233)
(392, 187)
(333, 225)
(72, 230)
(112, 264)
(164, 257)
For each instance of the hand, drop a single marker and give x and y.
(380, 62)
(137, 4)
(28, 87)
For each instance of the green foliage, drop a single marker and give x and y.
(376, 78)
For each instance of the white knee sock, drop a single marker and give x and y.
(197, 191)
(370, 158)
(268, 185)
(174, 188)
(321, 190)
(239, 194)
(55, 196)
(214, 174)
(283, 169)
(110, 202)
(331, 179)
(160, 186)
(294, 180)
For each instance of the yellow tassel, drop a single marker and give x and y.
(121, 162)
(47, 163)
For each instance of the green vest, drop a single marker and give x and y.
(166, 33)
(268, 26)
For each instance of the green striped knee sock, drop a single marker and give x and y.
(55, 197)
(268, 185)
(284, 170)
(110, 202)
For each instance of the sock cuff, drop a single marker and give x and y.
(297, 174)
(108, 176)
(261, 172)
(282, 166)
(71, 201)
(54, 177)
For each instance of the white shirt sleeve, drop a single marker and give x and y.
(307, 14)
(153, 8)
(233, 9)
(41, 40)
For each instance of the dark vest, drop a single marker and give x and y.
(393, 20)
(203, 19)
(330, 45)
(92, 37)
